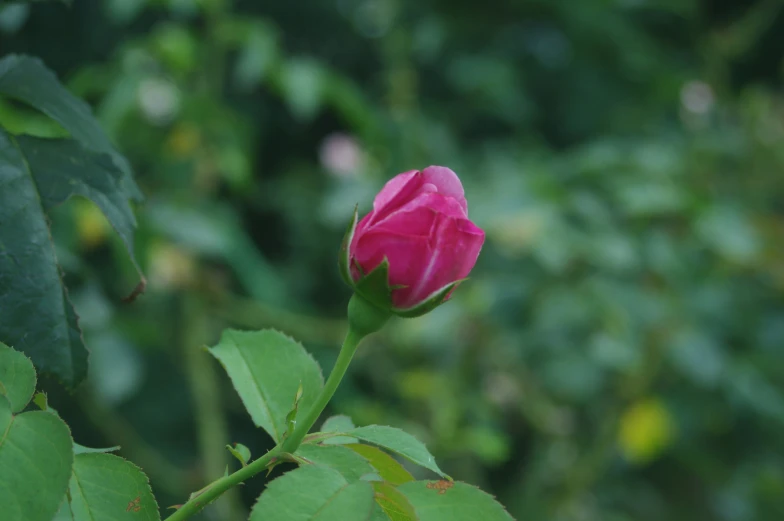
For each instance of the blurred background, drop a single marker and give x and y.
(618, 354)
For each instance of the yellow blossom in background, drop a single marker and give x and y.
(646, 430)
(419, 384)
(171, 267)
(91, 225)
(184, 139)
(515, 233)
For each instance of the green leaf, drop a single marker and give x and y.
(314, 493)
(267, 368)
(41, 401)
(37, 175)
(64, 514)
(377, 514)
(241, 452)
(452, 501)
(399, 442)
(109, 488)
(17, 377)
(390, 470)
(338, 423)
(35, 464)
(350, 464)
(27, 79)
(393, 503)
(81, 449)
(354, 502)
(63, 168)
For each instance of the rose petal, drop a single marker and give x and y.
(417, 221)
(470, 241)
(447, 183)
(396, 192)
(416, 217)
(427, 188)
(405, 255)
(465, 225)
(454, 248)
(359, 230)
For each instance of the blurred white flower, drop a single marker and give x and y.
(159, 100)
(697, 97)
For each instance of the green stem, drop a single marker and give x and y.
(194, 505)
(341, 365)
(288, 446)
(211, 426)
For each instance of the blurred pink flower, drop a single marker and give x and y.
(341, 155)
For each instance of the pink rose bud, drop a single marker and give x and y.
(415, 246)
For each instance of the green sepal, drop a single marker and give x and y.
(344, 263)
(374, 287)
(365, 318)
(429, 304)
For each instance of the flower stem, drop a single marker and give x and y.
(287, 446)
(194, 505)
(341, 365)
(211, 426)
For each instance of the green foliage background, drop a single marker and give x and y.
(619, 351)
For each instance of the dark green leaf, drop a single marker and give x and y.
(314, 493)
(36, 175)
(452, 501)
(390, 470)
(109, 488)
(27, 79)
(17, 377)
(350, 464)
(35, 464)
(267, 368)
(62, 168)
